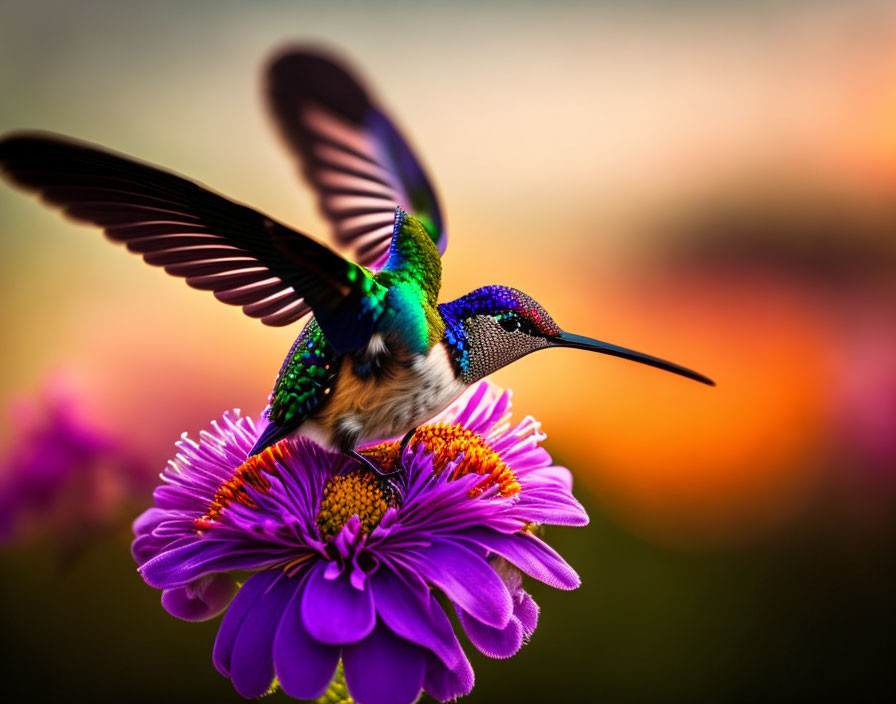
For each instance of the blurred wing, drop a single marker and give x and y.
(243, 256)
(356, 159)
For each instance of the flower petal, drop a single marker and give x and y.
(384, 669)
(526, 610)
(200, 600)
(233, 619)
(530, 554)
(467, 580)
(550, 505)
(420, 621)
(181, 565)
(252, 660)
(333, 611)
(493, 642)
(304, 666)
(147, 546)
(148, 520)
(445, 683)
(467, 406)
(560, 477)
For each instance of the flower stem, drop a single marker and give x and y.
(337, 692)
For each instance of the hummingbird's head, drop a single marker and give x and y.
(495, 325)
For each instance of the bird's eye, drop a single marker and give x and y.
(509, 323)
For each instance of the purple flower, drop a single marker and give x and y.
(63, 476)
(343, 568)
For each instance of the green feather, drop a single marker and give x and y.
(400, 301)
(412, 278)
(305, 379)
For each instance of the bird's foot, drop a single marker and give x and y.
(391, 481)
(402, 446)
(370, 464)
(394, 480)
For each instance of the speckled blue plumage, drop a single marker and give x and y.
(498, 301)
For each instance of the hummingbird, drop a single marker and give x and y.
(380, 355)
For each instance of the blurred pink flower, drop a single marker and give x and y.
(866, 390)
(61, 476)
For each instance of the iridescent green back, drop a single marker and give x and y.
(412, 277)
(400, 302)
(305, 379)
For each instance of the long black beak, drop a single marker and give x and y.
(565, 339)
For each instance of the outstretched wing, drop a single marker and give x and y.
(351, 152)
(243, 256)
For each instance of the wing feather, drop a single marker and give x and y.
(351, 153)
(244, 257)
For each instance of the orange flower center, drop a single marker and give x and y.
(250, 473)
(361, 493)
(446, 443)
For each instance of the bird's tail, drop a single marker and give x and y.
(270, 435)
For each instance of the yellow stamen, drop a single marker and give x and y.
(356, 494)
